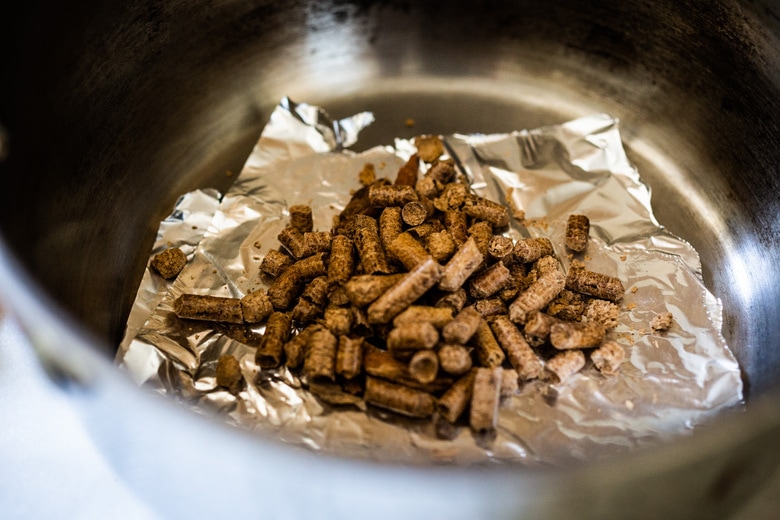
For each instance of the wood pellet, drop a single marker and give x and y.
(416, 303)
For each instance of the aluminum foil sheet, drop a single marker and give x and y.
(671, 382)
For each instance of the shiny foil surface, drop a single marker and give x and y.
(670, 383)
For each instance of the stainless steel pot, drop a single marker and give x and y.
(110, 110)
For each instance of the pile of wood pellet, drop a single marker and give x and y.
(415, 301)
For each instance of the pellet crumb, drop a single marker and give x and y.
(662, 322)
(169, 263)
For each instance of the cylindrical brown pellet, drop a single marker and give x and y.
(490, 281)
(277, 332)
(301, 218)
(169, 263)
(454, 300)
(442, 171)
(208, 308)
(510, 384)
(256, 307)
(486, 210)
(531, 249)
(454, 359)
(382, 364)
(519, 352)
(411, 287)
(453, 196)
(392, 195)
(539, 294)
(482, 233)
(287, 285)
(500, 247)
(537, 327)
(454, 402)
(608, 357)
(577, 231)
(576, 335)
(319, 364)
(390, 225)
(305, 311)
(455, 222)
(407, 250)
(436, 316)
(398, 398)
(518, 282)
(440, 245)
(364, 289)
(275, 262)
(566, 364)
(490, 307)
(485, 399)
(424, 365)
(316, 290)
(349, 358)
(228, 373)
(373, 259)
(428, 187)
(487, 349)
(341, 263)
(338, 319)
(295, 348)
(462, 327)
(568, 306)
(594, 284)
(463, 263)
(412, 336)
(414, 213)
(302, 245)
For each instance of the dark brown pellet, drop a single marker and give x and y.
(390, 225)
(303, 245)
(594, 284)
(454, 300)
(275, 262)
(341, 263)
(277, 333)
(295, 348)
(228, 373)
(373, 259)
(169, 263)
(288, 284)
(482, 233)
(442, 171)
(256, 307)
(319, 365)
(398, 398)
(519, 352)
(537, 327)
(338, 319)
(486, 210)
(490, 281)
(487, 349)
(452, 196)
(208, 308)
(393, 195)
(456, 399)
(407, 174)
(577, 231)
(568, 306)
(301, 218)
(412, 336)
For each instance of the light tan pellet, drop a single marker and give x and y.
(537, 327)
(462, 327)
(482, 233)
(408, 251)
(576, 335)
(390, 225)
(485, 399)
(319, 363)
(486, 210)
(577, 231)
(456, 399)
(373, 259)
(461, 266)
(349, 357)
(490, 307)
(489, 281)
(454, 359)
(500, 247)
(412, 336)
(440, 245)
(414, 213)
(488, 351)
(454, 300)
(364, 289)
(208, 308)
(169, 263)
(608, 357)
(277, 333)
(424, 365)
(519, 352)
(428, 187)
(455, 223)
(436, 316)
(537, 296)
(510, 383)
(405, 292)
(302, 245)
(594, 284)
(565, 364)
(531, 249)
(398, 398)
(338, 319)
